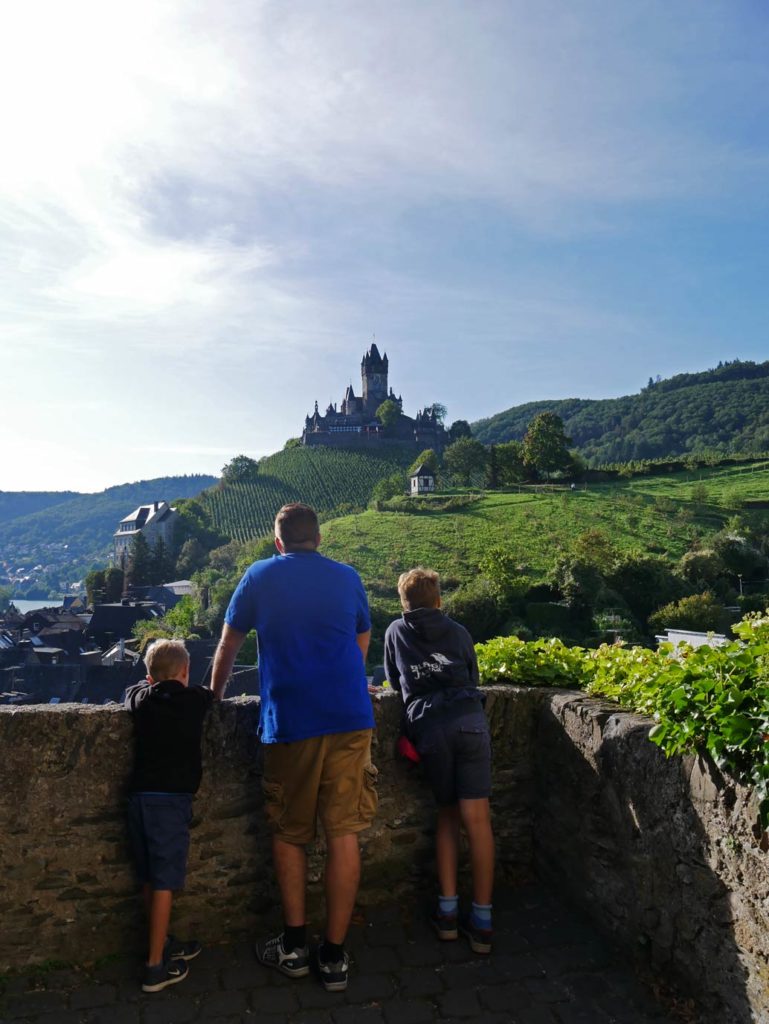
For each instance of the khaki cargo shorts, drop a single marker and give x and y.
(330, 778)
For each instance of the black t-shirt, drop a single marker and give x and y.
(168, 726)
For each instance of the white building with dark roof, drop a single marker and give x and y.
(154, 521)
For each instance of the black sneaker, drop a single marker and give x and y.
(479, 938)
(334, 974)
(445, 925)
(294, 963)
(178, 950)
(170, 972)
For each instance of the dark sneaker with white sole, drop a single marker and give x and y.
(170, 972)
(294, 963)
(178, 950)
(334, 973)
(445, 925)
(479, 938)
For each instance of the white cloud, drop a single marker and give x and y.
(146, 143)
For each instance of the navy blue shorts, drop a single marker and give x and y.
(456, 757)
(159, 829)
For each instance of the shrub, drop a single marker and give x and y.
(698, 611)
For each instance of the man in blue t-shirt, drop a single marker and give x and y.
(313, 628)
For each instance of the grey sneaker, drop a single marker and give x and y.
(334, 974)
(170, 972)
(294, 963)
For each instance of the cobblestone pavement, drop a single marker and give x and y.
(548, 967)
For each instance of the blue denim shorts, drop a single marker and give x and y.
(456, 757)
(159, 830)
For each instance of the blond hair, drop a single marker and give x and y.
(419, 588)
(166, 659)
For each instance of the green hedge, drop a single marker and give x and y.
(713, 699)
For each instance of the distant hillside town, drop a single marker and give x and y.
(373, 417)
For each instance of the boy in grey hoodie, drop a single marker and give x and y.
(430, 660)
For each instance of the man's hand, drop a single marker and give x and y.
(230, 643)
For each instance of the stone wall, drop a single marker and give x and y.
(66, 886)
(660, 853)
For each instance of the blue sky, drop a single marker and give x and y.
(207, 211)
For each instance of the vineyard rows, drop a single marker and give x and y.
(325, 478)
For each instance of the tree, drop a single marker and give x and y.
(510, 464)
(500, 568)
(114, 581)
(700, 612)
(644, 582)
(191, 558)
(459, 428)
(162, 564)
(427, 458)
(94, 587)
(140, 562)
(465, 458)
(438, 409)
(239, 469)
(546, 446)
(492, 469)
(293, 442)
(5, 598)
(390, 487)
(388, 413)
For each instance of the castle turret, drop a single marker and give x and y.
(373, 372)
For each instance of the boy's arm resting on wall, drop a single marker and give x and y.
(135, 694)
(391, 669)
(230, 643)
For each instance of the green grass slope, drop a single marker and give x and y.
(725, 410)
(326, 478)
(659, 515)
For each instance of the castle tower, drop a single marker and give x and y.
(373, 373)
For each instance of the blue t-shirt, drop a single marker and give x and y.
(307, 611)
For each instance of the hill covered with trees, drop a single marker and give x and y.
(67, 536)
(721, 410)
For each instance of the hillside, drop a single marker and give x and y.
(326, 478)
(612, 524)
(22, 503)
(67, 537)
(724, 410)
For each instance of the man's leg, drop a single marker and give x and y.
(291, 871)
(342, 880)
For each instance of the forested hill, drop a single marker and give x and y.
(725, 409)
(76, 530)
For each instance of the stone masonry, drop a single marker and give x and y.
(661, 854)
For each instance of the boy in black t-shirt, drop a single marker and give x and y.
(430, 660)
(168, 724)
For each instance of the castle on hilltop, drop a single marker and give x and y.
(355, 424)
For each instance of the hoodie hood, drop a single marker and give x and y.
(428, 624)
